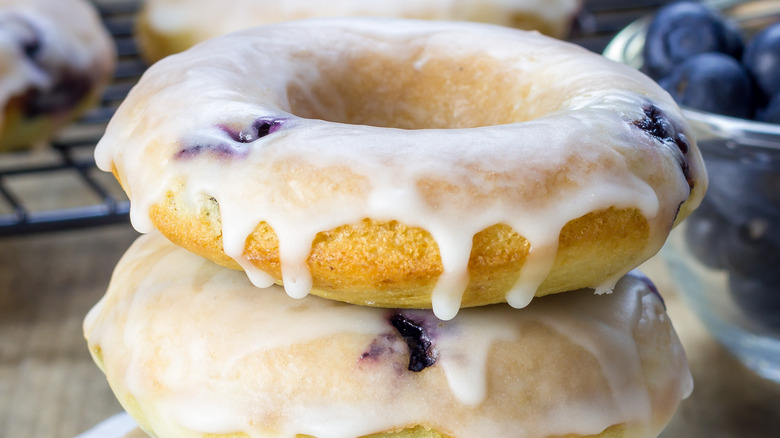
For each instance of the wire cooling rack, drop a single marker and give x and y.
(58, 187)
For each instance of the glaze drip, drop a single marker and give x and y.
(421, 352)
(195, 350)
(572, 155)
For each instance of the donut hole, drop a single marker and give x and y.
(412, 90)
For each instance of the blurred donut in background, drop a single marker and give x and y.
(55, 59)
(165, 27)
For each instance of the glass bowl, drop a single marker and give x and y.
(725, 258)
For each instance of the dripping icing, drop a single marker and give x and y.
(392, 162)
(131, 325)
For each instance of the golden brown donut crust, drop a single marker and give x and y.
(389, 264)
(19, 131)
(155, 45)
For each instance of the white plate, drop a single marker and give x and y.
(116, 426)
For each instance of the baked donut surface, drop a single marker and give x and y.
(55, 59)
(403, 163)
(192, 349)
(165, 27)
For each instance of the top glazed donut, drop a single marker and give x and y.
(405, 163)
(55, 59)
(165, 27)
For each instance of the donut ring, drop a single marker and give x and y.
(165, 27)
(403, 163)
(55, 60)
(193, 349)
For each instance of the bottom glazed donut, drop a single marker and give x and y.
(192, 349)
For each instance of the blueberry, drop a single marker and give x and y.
(236, 143)
(28, 37)
(421, 353)
(220, 149)
(735, 43)
(732, 186)
(684, 29)
(750, 252)
(741, 231)
(759, 300)
(712, 82)
(745, 191)
(762, 60)
(658, 125)
(703, 235)
(68, 90)
(771, 112)
(260, 128)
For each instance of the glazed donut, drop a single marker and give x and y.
(403, 163)
(55, 59)
(165, 27)
(192, 349)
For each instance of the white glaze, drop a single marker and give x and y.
(179, 334)
(72, 37)
(498, 172)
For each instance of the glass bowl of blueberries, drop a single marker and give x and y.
(721, 63)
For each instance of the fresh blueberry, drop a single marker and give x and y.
(762, 59)
(735, 43)
(712, 82)
(732, 186)
(769, 190)
(759, 300)
(684, 29)
(750, 252)
(745, 191)
(771, 112)
(703, 235)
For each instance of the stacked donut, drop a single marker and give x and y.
(55, 59)
(348, 221)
